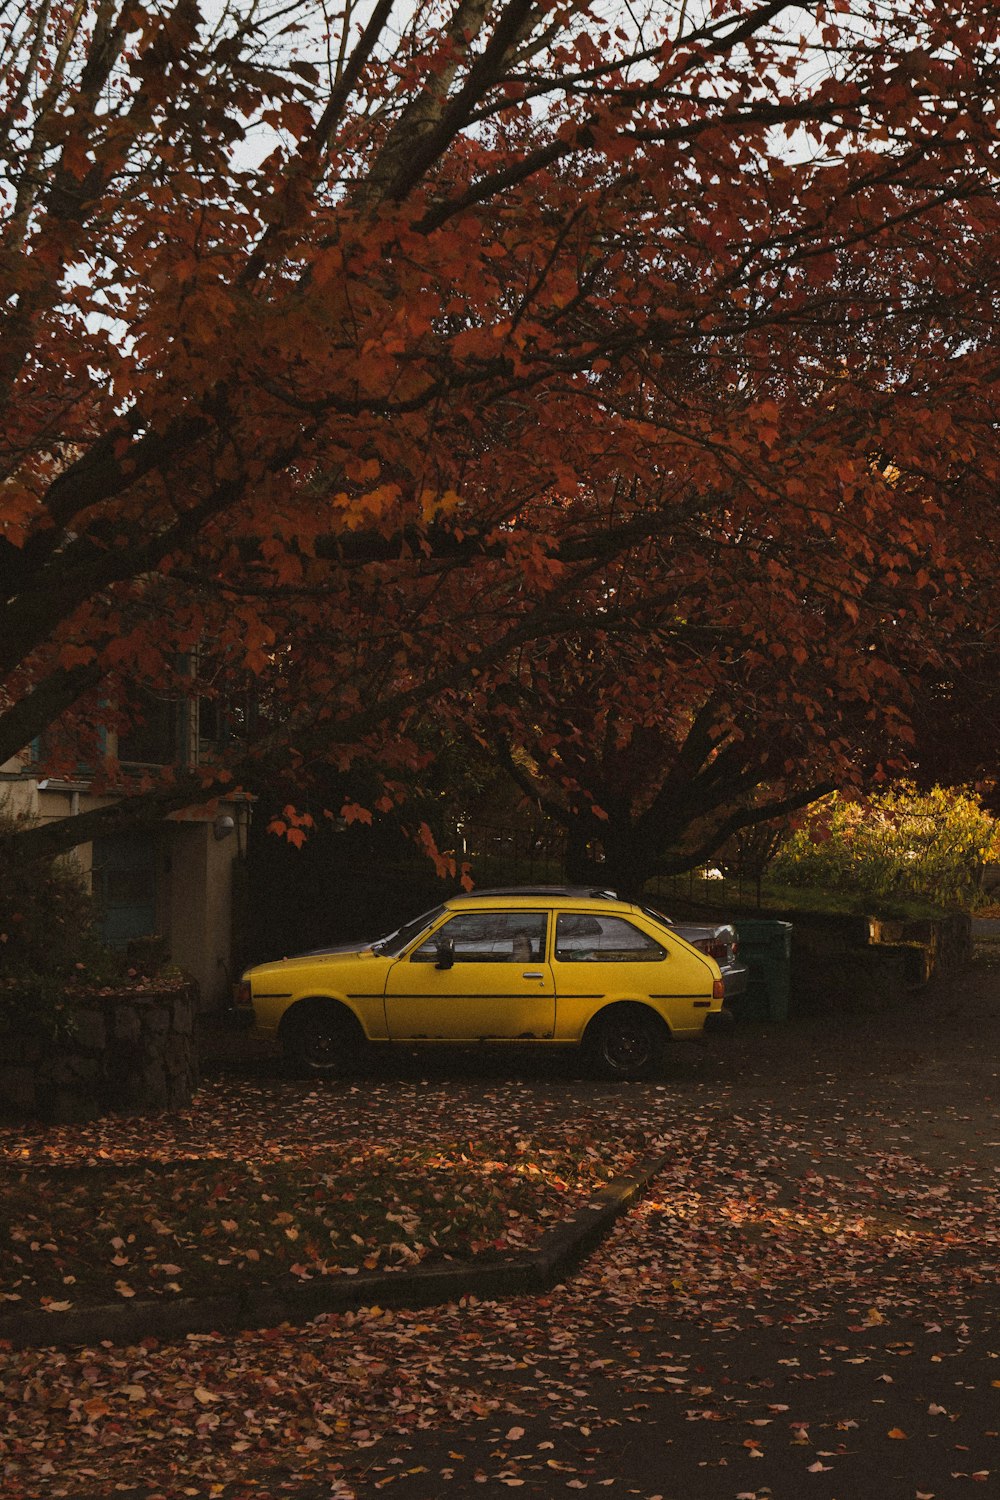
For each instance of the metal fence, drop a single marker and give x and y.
(502, 855)
(512, 856)
(706, 888)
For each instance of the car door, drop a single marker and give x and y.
(600, 958)
(498, 985)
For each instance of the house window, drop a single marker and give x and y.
(52, 755)
(124, 883)
(155, 735)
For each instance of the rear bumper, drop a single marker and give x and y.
(734, 979)
(719, 1020)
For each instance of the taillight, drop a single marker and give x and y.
(718, 990)
(242, 993)
(715, 949)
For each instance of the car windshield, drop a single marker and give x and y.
(394, 943)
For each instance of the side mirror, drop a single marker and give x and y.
(445, 954)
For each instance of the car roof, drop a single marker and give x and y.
(597, 892)
(534, 894)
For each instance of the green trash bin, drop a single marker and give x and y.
(766, 949)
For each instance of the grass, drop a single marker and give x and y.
(818, 899)
(85, 1235)
(730, 897)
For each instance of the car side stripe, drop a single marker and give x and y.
(460, 999)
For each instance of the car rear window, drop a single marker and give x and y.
(585, 937)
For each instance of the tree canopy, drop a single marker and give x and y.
(351, 364)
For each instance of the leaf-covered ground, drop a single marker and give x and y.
(804, 1304)
(280, 1184)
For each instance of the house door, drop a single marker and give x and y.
(124, 877)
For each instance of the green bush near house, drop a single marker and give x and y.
(896, 848)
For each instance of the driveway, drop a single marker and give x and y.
(804, 1304)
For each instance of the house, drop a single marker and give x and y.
(176, 881)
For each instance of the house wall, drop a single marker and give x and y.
(18, 795)
(194, 873)
(39, 801)
(198, 891)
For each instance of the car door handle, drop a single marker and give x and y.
(532, 976)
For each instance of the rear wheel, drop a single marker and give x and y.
(322, 1039)
(626, 1042)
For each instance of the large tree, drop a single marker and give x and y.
(348, 366)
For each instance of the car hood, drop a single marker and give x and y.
(355, 948)
(350, 953)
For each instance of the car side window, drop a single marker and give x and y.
(590, 938)
(489, 937)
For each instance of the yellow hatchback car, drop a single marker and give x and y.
(544, 967)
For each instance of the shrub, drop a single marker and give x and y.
(898, 842)
(48, 935)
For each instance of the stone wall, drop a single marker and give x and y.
(845, 963)
(858, 962)
(131, 1052)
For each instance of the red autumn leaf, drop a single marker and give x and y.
(556, 435)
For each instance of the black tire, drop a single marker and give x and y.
(626, 1042)
(322, 1040)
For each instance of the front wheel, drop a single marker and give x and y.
(626, 1042)
(322, 1040)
